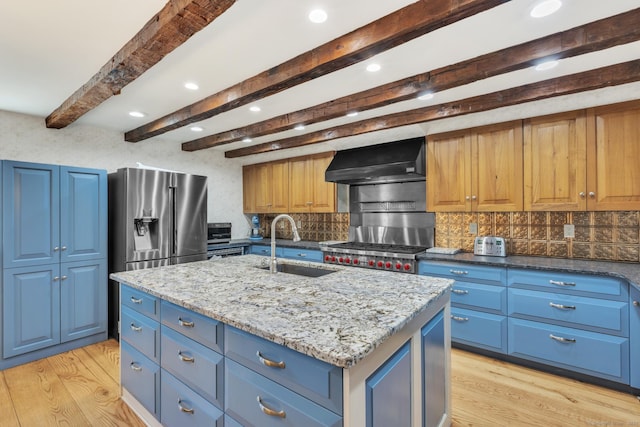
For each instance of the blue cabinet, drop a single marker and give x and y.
(265, 250)
(388, 392)
(634, 334)
(478, 303)
(54, 238)
(300, 254)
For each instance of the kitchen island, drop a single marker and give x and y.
(232, 341)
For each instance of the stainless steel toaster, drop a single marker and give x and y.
(490, 246)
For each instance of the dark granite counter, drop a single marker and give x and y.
(628, 271)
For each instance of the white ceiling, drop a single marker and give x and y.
(49, 49)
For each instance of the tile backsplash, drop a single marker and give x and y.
(315, 227)
(612, 236)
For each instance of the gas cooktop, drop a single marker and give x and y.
(380, 256)
(379, 247)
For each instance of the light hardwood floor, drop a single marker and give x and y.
(80, 388)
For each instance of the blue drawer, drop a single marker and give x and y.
(200, 328)
(488, 298)
(140, 332)
(141, 377)
(230, 422)
(140, 302)
(578, 284)
(312, 378)
(265, 250)
(198, 366)
(479, 329)
(591, 353)
(302, 254)
(598, 315)
(254, 400)
(181, 406)
(467, 272)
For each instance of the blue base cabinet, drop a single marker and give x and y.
(634, 333)
(54, 240)
(181, 368)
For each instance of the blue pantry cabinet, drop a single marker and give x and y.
(54, 250)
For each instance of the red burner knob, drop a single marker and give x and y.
(398, 266)
(380, 264)
(333, 259)
(327, 258)
(356, 261)
(347, 261)
(340, 260)
(407, 267)
(387, 264)
(371, 263)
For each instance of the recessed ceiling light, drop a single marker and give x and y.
(246, 139)
(546, 65)
(317, 16)
(254, 108)
(372, 68)
(137, 114)
(352, 114)
(545, 8)
(299, 127)
(197, 128)
(191, 86)
(426, 96)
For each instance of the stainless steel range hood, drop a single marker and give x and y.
(390, 162)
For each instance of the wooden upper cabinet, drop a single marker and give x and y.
(555, 173)
(266, 187)
(613, 157)
(475, 170)
(293, 185)
(308, 190)
(448, 166)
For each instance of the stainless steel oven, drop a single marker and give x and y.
(218, 232)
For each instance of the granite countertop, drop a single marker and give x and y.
(339, 318)
(628, 271)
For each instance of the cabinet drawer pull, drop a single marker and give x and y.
(185, 323)
(56, 278)
(302, 255)
(561, 283)
(270, 411)
(136, 300)
(460, 291)
(184, 408)
(562, 339)
(135, 328)
(135, 367)
(56, 249)
(458, 272)
(636, 303)
(184, 358)
(562, 306)
(270, 363)
(460, 319)
(64, 248)
(63, 278)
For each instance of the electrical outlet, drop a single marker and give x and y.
(569, 231)
(473, 228)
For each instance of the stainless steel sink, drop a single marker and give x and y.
(301, 270)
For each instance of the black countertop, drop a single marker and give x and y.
(628, 271)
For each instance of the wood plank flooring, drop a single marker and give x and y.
(80, 388)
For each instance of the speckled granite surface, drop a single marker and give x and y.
(628, 271)
(338, 318)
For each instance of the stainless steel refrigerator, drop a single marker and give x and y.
(156, 218)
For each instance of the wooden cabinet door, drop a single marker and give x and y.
(30, 309)
(31, 214)
(496, 180)
(324, 193)
(613, 156)
(300, 188)
(280, 187)
(249, 189)
(262, 184)
(555, 171)
(448, 173)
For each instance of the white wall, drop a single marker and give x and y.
(26, 138)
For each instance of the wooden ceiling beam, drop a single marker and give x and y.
(406, 24)
(603, 34)
(589, 80)
(173, 25)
